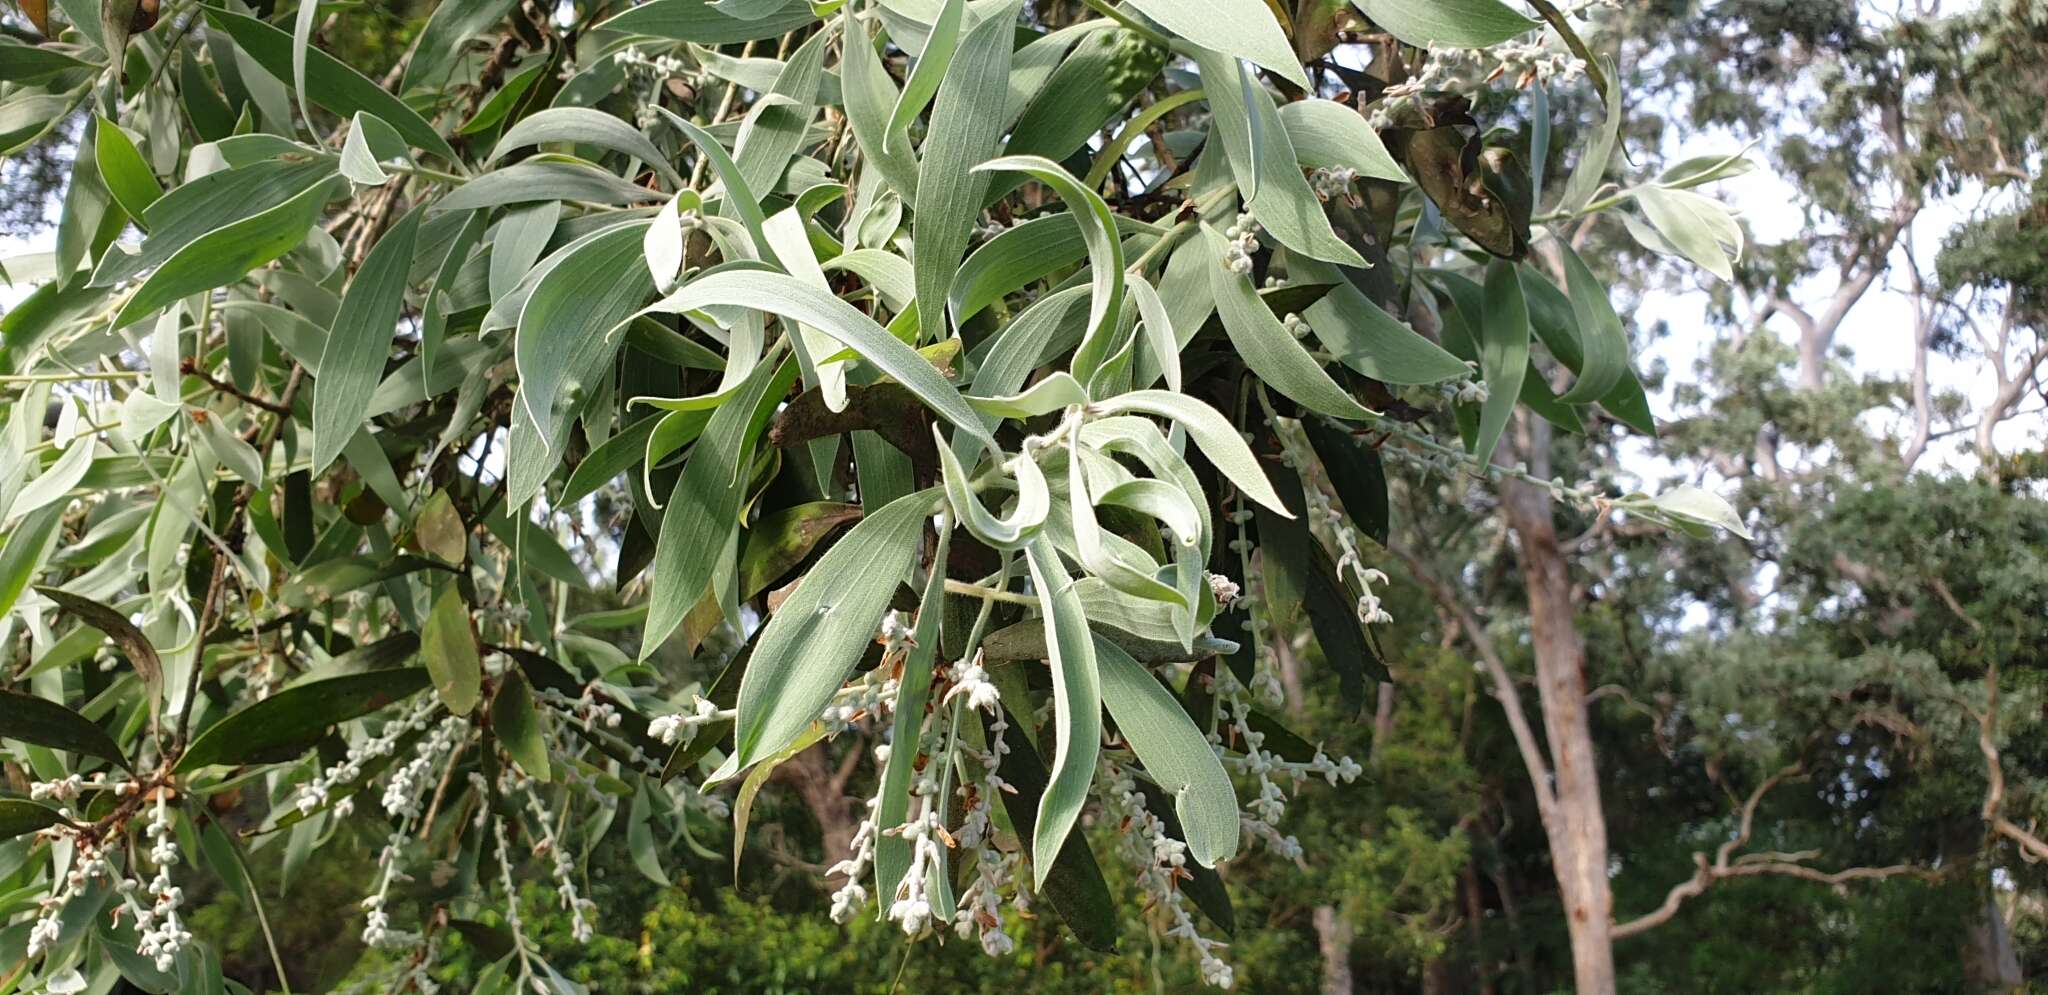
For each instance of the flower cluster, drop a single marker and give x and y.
(160, 935)
(405, 792)
(1244, 242)
(1334, 181)
(980, 906)
(1161, 863)
(564, 869)
(681, 727)
(315, 793)
(971, 682)
(1262, 815)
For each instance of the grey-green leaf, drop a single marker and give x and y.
(1077, 705)
(1212, 432)
(1173, 751)
(1267, 347)
(352, 361)
(785, 295)
(1603, 341)
(1244, 29)
(966, 127)
(1446, 23)
(1264, 163)
(811, 644)
(584, 126)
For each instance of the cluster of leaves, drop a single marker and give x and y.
(308, 489)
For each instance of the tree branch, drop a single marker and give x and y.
(1503, 685)
(1726, 865)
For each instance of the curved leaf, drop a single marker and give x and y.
(791, 298)
(1077, 706)
(1212, 432)
(583, 126)
(1173, 751)
(966, 128)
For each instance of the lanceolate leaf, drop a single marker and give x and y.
(923, 82)
(226, 254)
(126, 173)
(966, 125)
(449, 27)
(330, 83)
(1244, 29)
(870, 97)
(1268, 348)
(1503, 335)
(1105, 254)
(1447, 23)
(1173, 751)
(1264, 164)
(45, 723)
(517, 725)
(292, 720)
(781, 294)
(1601, 337)
(134, 645)
(701, 22)
(1327, 135)
(702, 513)
(1212, 432)
(1077, 706)
(815, 638)
(569, 329)
(581, 125)
(352, 362)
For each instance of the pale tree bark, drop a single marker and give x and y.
(1926, 318)
(1566, 783)
(1333, 936)
(1578, 827)
(1859, 269)
(2014, 379)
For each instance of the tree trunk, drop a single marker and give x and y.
(1333, 935)
(1990, 964)
(1578, 833)
(1475, 924)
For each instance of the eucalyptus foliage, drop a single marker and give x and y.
(964, 375)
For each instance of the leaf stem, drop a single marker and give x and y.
(1555, 18)
(988, 593)
(32, 378)
(1121, 144)
(1102, 7)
